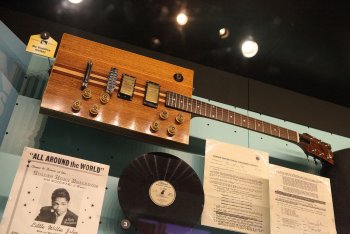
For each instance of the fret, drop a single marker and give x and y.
(222, 113)
(267, 128)
(220, 110)
(188, 103)
(251, 123)
(179, 102)
(196, 107)
(274, 130)
(176, 100)
(279, 132)
(238, 119)
(167, 99)
(229, 117)
(210, 110)
(192, 105)
(209, 106)
(244, 121)
(283, 133)
(183, 101)
(293, 136)
(171, 99)
(258, 126)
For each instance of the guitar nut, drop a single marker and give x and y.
(94, 109)
(171, 130)
(155, 126)
(87, 93)
(76, 105)
(164, 114)
(180, 118)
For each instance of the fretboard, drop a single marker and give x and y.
(194, 106)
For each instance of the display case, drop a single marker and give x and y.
(23, 78)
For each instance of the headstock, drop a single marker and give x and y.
(316, 148)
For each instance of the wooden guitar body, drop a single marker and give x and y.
(147, 98)
(129, 117)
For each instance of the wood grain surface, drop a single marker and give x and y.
(130, 118)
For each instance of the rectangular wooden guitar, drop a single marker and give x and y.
(115, 90)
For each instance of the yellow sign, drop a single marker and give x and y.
(39, 46)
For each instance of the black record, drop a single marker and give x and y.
(160, 187)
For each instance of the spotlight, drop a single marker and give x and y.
(223, 33)
(182, 19)
(249, 48)
(75, 1)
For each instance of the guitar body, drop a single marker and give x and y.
(129, 117)
(119, 91)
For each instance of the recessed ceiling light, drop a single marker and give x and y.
(182, 19)
(75, 1)
(249, 48)
(223, 33)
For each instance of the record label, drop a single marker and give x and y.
(162, 193)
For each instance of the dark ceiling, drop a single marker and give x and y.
(304, 46)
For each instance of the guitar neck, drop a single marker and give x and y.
(180, 102)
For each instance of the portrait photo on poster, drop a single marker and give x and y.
(59, 205)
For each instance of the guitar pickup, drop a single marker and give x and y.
(151, 94)
(127, 86)
(112, 80)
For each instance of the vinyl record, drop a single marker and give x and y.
(159, 187)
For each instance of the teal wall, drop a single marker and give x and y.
(13, 64)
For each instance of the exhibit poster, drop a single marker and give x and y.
(55, 194)
(236, 188)
(300, 202)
